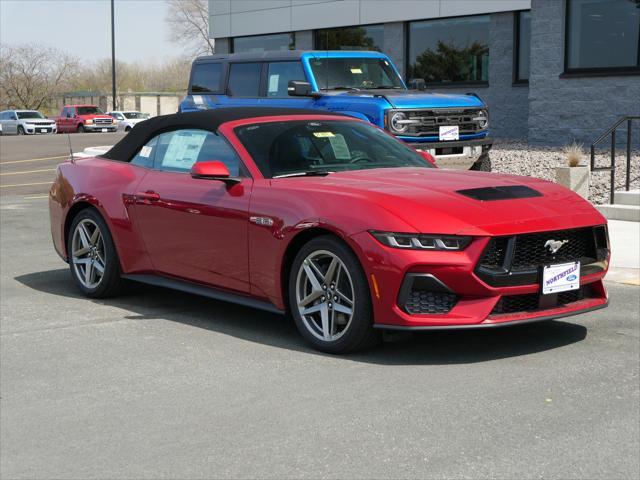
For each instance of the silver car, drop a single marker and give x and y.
(126, 120)
(25, 122)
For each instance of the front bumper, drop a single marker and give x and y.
(460, 155)
(99, 128)
(38, 130)
(477, 303)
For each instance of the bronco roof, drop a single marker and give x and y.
(276, 55)
(209, 120)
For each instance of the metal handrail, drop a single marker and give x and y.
(612, 168)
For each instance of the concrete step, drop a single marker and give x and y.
(632, 197)
(629, 213)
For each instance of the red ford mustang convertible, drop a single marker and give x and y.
(328, 218)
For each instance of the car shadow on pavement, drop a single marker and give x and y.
(147, 303)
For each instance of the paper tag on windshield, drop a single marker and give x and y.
(340, 148)
(356, 70)
(322, 134)
(145, 152)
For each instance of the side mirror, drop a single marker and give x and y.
(213, 170)
(417, 84)
(428, 157)
(298, 88)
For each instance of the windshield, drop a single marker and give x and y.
(89, 111)
(354, 73)
(311, 147)
(134, 115)
(23, 115)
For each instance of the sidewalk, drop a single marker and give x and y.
(625, 252)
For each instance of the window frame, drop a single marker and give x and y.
(223, 76)
(517, 81)
(264, 79)
(261, 81)
(407, 62)
(292, 36)
(592, 71)
(318, 30)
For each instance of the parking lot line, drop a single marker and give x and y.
(34, 160)
(33, 197)
(25, 184)
(29, 171)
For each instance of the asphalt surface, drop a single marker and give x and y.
(160, 384)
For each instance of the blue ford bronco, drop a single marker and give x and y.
(454, 128)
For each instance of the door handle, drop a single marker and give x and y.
(148, 195)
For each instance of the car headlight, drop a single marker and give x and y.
(88, 121)
(398, 122)
(419, 241)
(482, 117)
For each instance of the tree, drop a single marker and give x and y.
(449, 63)
(188, 22)
(30, 75)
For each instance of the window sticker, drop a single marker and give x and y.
(145, 151)
(274, 79)
(356, 70)
(183, 149)
(340, 148)
(322, 134)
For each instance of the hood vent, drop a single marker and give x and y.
(508, 192)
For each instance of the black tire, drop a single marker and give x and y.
(483, 164)
(21, 130)
(80, 129)
(127, 129)
(111, 281)
(359, 332)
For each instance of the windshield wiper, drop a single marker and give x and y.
(342, 87)
(308, 173)
(385, 87)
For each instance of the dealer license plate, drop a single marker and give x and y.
(43, 130)
(560, 278)
(449, 133)
(105, 130)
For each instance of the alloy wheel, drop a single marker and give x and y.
(88, 253)
(325, 295)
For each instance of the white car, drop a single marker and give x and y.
(25, 122)
(126, 120)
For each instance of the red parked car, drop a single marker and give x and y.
(84, 118)
(328, 218)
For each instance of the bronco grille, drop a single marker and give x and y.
(432, 120)
(517, 260)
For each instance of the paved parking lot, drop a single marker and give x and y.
(161, 384)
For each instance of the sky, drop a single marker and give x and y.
(83, 27)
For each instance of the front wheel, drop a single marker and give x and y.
(21, 130)
(483, 164)
(81, 129)
(93, 259)
(329, 297)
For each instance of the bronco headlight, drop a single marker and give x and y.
(482, 117)
(419, 241)
(398, 122)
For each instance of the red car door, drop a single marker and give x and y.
(195, 229)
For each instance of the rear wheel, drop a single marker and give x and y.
(329, 297)
(483, 164)
(93, 259)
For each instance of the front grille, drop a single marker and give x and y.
(518, 259)
(432, 120)
(44, 124)
(102, 121)
(425, 302)
(533, 302)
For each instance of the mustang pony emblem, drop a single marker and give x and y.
(555, 245)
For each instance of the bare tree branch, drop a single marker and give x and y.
(188, 22)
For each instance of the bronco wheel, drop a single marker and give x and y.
(93, 259)
(483, 164)
(329, 297)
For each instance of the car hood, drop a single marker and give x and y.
(428, 200)
(418, 99)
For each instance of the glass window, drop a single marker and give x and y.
(32, 114)
(279, 75)
(354, 73)
(523, 45)
(144, 158)
(262, 43)
(206, 77)
(295, 147)
(602, 34)
(449, 51)
(364, 37)
(177, 151)
(89, 110)
(244, 79)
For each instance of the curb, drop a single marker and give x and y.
(628, 276)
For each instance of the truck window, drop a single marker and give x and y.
(206, 77)
(344, 73)
(244, 79)
(279, 75)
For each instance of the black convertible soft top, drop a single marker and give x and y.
(209, 120)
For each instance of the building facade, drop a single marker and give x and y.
(551, 71)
